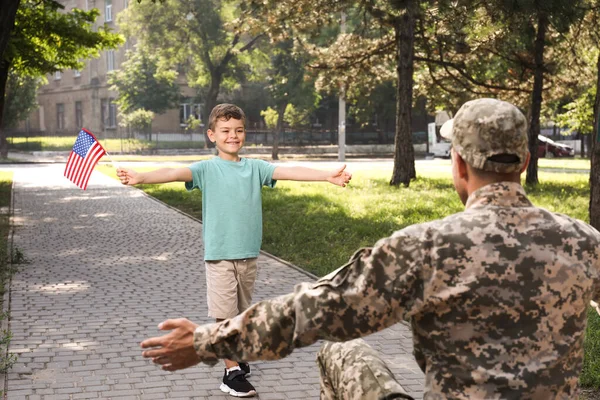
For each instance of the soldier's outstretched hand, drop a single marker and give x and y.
(340, 177)
(175, 350)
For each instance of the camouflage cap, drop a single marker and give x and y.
(485, 128)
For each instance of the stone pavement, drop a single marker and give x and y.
(106, 265)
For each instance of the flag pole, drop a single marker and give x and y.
(115, 164)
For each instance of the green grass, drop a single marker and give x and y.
(65, 143)
(5, 197)
(318, 226)
(6, 267)
(564, 163)
(590, 376)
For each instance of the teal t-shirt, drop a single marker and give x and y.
(231, 205)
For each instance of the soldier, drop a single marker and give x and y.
(497, 295)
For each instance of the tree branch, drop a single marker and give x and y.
(249, 45)
(382, 16)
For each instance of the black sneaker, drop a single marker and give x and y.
(235, 383)
(246, 368)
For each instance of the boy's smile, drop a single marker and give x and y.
(229, 137)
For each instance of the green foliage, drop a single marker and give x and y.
(211, 40)
(7, 360)
(138, 119)
(579, 114)
(296, 116)
(293, 116)
(20, 98)
(142, 83)
(192, 124)
(288, 81)
(46, 39)
(270, 115)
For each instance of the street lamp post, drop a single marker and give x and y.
(342, 108)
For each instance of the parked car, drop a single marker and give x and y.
(549, 148)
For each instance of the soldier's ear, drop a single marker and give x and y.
(526, 163)
(461, 166)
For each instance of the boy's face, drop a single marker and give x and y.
(228, 137)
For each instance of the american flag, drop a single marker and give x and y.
(83, 158)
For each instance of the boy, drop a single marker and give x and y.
(231, 219)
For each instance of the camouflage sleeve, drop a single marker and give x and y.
(376, 289)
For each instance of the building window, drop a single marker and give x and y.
(109, 113)
(57, 76)
(78, 114)
(187, 110)
(108, 11)
(60, 116)
(76, 73)
(110, 60)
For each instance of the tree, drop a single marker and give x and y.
(595, 152)
(289, 86)
(140, 120)
(209, 38)
(20, 98)
(142, 83)
(383, 30)
(8, 13)
(578, 115)
(500, 48)
(45, 40)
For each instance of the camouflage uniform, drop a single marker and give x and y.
(353, 370)
(497, 297)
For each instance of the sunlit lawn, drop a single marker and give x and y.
(317, 226)
(65, 143)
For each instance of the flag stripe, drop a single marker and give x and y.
(91, 159)
(77, 171)
(68, 165)
(75, 166)
(97, 157)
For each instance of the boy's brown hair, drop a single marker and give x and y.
(225, 111)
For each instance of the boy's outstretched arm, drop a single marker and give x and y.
(338, 177)
(163, 175)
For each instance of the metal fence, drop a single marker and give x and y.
(138, 142)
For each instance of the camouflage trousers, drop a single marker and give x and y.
(353, 370)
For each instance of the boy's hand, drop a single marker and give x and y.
(175, 350)
(128, 176)
(340, 177)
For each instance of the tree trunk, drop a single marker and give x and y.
(536, 99)
(582, 139)
(4, 67)
(594, 151)
(278, 131)
(8, 12)
(404, 154)
(216, 77)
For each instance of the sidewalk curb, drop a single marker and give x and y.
(5, 324)
(287, 263)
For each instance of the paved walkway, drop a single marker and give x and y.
(106, 265)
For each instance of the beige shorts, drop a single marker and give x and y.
(229, 286)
